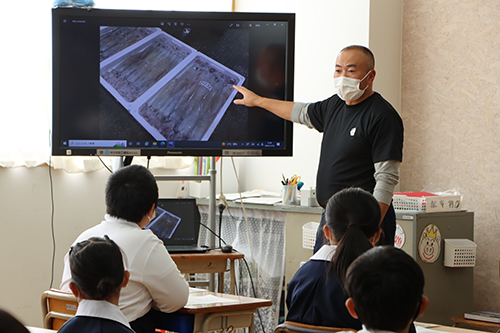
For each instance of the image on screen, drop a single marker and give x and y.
(124, 79)
(165, 223)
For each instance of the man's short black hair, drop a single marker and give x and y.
(370, 58)
(386, 286)
(130, 193)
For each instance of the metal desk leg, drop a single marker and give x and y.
(221, 282)
(206, 321)
(251, 328)
(233, 277)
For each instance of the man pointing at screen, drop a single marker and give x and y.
(362, 134)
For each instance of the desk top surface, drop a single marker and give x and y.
(441, 328)
(212, 254)
(277, 207)
(38, 330)
(202, 301)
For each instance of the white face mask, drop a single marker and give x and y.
(348, 88)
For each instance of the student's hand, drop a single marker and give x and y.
(249, 99)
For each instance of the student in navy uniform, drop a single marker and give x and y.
(316, 294)
(9, 324)
(97, 276)
(396, 301)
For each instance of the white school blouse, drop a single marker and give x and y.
(154, 277)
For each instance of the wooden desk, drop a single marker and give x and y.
(213, 261)
(448, 329)
(460, 320)
(196, 316)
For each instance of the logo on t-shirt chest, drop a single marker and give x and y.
(352, 131)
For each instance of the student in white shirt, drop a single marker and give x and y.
(155, 282)
(98, 275)
(385, 287)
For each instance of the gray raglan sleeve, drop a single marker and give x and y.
(386, 178)
(299, 114)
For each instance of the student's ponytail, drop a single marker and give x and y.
(353, 215)
(97, 267)
(351, 245)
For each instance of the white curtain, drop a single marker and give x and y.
(26, 93)
(263, 245)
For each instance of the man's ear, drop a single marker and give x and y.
(349, 304)
(374, 239)
(423, 305)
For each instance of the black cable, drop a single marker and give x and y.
(249, 273)
(254, 293)
(99, 157)
(149, 158)
(52, 222)
(220, 239)
(221, 209)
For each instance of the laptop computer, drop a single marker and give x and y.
(177, 224)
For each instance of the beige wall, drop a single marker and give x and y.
(450, 108)
(26, 229)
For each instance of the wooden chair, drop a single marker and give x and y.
(290, 326)
(57, 307)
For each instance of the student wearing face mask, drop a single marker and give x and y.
(362, 135)
(155, 282)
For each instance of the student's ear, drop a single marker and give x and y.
(349, 304)
(423, 305)
(374, 239)
(126, 278)
(328, 233)
(75, 290)
(152, 211)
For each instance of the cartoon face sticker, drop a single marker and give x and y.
(400, 237)
(429, 246)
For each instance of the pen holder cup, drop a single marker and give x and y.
(289, 195)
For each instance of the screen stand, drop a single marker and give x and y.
(127, 160)
(122, 161)
(211, 202)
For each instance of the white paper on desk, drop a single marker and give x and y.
(234, 196)
(209, 299)
(260, 201)
(250, 194)
(421, 329)
(424, 325)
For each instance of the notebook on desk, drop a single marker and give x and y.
(177, 224)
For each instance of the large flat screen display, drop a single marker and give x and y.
(159, 83)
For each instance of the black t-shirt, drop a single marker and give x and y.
(354, 138)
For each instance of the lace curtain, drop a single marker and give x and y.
(25, 117)
(266, 246)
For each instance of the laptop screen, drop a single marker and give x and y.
(177, 221)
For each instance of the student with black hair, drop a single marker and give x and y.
(97, 276)
(316, 294)
(155, 282)
(398, 298)
(9, 324)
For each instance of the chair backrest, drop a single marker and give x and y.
(57, 307)
(290, 326)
